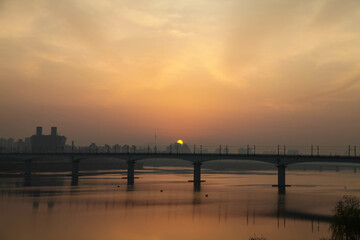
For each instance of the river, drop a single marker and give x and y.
(164, 205)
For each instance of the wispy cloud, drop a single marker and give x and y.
(214, 61)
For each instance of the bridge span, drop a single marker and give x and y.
(280, 161)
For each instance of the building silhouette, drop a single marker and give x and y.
(10, 145)
(47, 143)
(178, 148)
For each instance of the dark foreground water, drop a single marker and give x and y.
(163, 205)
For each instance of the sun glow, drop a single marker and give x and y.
(180, 142)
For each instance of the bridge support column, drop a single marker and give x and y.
(281, 178)
(28, 167)
(197, 176)
(75, 172)
(27, 180)
(74, 180)
(197, 172)
(130, 172)
(75, 167)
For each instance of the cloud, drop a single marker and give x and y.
(211, 63)
(292, 46)
(178, 33)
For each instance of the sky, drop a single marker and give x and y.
(206, 71)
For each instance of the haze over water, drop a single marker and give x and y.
(163, 205)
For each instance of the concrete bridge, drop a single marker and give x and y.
(279, 160)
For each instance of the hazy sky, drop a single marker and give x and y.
(208, 71)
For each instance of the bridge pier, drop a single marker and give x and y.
(28, 167)
(75, 167)
(130, 172)
(75, 172)
(281, 178)
(27, 180)
(197, 176)
(197, 172)
(74, 180)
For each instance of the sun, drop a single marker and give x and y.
(180, 141)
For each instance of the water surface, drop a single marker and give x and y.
(164, 205)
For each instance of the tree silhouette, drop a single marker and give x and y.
(346, 221)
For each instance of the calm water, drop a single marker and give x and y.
(228, 206)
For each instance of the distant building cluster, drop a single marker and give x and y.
(10, 145)
(272, 152)
(245, 151)
(54, 143)
(37, 143)
(93, 148)
(178, 148)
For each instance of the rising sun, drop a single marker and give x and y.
(180, 142)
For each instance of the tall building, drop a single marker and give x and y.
(47, 143)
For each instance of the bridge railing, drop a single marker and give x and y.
(315, 150)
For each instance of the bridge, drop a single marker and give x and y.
(197, 159)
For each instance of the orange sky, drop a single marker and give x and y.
(207, 71)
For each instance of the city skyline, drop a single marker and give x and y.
(40, 142)
(165, 143)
